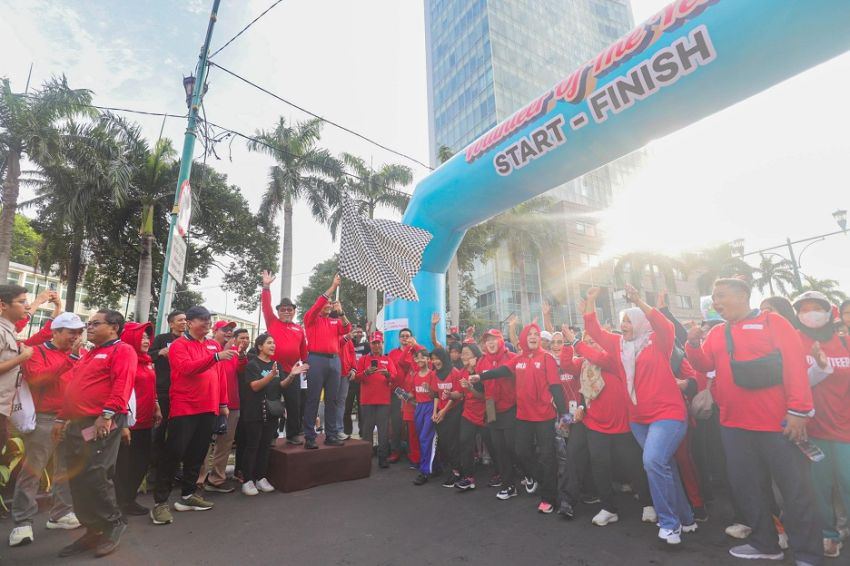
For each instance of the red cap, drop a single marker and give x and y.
(376, 336)
(223, 324)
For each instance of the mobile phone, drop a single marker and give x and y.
(374, 363)
(90, 433)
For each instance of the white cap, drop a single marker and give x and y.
(546, 335)
(67, 320)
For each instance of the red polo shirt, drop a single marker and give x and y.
(375, 389)
(47, 374)
(198, 382)
(102, 379)
(290, 340)
(323, 332)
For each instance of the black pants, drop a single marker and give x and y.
(448, 438)
(158, 440)
(573, 465)
(292, 402)
(620, 450)
(91, 467)
(187, 440)
(371, 416)
(466, 446)
(240, 445)
(502, 436)
(132, 465)
(541, 434)
(351, 401)
(396, 425)
(258, 439)
(752, 457)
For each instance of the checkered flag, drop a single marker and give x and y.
(381, 254)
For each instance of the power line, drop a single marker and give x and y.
(243, 30)
(323, 119)
(116, 109)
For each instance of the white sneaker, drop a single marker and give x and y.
(248, 488)
(739, 531)
(783, 541)
(692, 528)
(604, 517)
(264, 486)
(671, 537)
(21, 535)
(68, 522)
(649, 515)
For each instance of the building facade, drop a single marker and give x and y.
(487, 58)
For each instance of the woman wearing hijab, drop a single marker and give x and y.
(445, 383)
(538, 386)
(828, 360)
(656, 409)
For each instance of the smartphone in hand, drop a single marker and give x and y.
(90, 433)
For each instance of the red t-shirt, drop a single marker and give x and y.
(403, 358)
(198, 384)
(474, 408)
(832, 395)
(376, 388)
(145, 388)
(609, 412)
(502, 390)
(449, 384)
(347, 357)
(232, 368)
(423, 395)
(533, 376)
(323, 332)
(102, 379)
(47, 374)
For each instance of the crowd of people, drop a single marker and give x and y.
(759, 400)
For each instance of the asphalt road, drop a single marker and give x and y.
(386, 520)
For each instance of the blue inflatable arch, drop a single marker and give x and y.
(693, 58)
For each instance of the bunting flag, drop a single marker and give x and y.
(381, 254)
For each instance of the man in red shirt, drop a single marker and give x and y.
(761, 422)
(402, 357)
(198, 393)
(94, 411)
(377, 376)
(290, 348)
(324, 328)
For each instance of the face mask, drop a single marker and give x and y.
(814, 319)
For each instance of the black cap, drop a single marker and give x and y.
(286, 302)
(197, 311)
(455, 336)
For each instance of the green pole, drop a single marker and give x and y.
(166, 291)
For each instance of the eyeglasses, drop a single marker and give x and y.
(95, 323)
(24, 302)
(286, 309)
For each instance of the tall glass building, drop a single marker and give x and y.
(487, 58)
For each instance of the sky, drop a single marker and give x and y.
(746, 172)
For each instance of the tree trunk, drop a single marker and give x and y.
(454, 292)
(286, 253)
(74, 269)
(770, 286)
(525, 309)
(143, 284)
(11, 188)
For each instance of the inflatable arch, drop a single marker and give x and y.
(691, 59)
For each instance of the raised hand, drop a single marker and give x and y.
(569, 335)
(435, 319)
(268, 279)
(661, 300)
(593, 294)
(547, 308)
(632, 294)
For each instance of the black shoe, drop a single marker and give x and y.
(421, 479)
(451, 480)
(334, 442)
(566, 511)
(295, 441)
(590, 499)
(495, 481)
(222, 488)
(700, 514)
(83, 544)
(310, 444)
(133, 508)
(109, 542)
(382, 463)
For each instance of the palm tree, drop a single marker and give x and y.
(28, 126)
(303, 171)
(714, 263)
(634, 265)
(828, 287)
(370, 189)
(774, 274)
(525, 233)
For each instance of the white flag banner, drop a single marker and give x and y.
(381, 254)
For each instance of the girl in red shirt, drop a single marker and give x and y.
(426, 410)
(472, 421)
(445, 384)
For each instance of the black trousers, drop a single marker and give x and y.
(466, 446)
(620, 450)
(187, 440)
(293, 403)
(91, 467)
(158, 440)
(542, 434)
(240, 445)
(448, 437)
(132, 465)
(502, 436)
(351, 401)
(258, 437)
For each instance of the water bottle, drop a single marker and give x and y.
(811, 450)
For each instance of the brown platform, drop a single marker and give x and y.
(293, 468)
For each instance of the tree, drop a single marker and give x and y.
(715, 263)
(303, 171)
(28, 128)
(185, 298)
(771, 273)
(632, 267)
(525, 233)
(26, 242)
(370, 189)
(828, 287)
(352, 295)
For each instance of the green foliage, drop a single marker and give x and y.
(26, 241)
(715, 263)
(185, 298)
(351, 294)
(772, 274)
(10, 458)
(828, 287)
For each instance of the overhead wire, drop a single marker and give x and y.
(243, 30)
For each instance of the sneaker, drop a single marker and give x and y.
(844, 533)
(193, 503)
(670, 537)
(604, 518)
(566, 511)
(248, 488)
(495, 481)
(782, 539)
(223, 488)
(692, 528)
(589, 499)
(649, 515)
(394, 457)
(750, 552)
(382, 463)
(133, 508)
(465, 484)
(83, 544)
(545, 507)
(295, 440)
(451, 480)
(626, 488)
(739, 531)
(700, 514)
(264, 486)
(412, 466)
(530, 484)
(507, 493)
(23, 535)
(109, 541)
(334, 442)
(68, 522)
(831, 547)
(161, 514)
(310, 444)
(421, 479)
(342, 436)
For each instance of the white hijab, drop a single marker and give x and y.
(631, 349)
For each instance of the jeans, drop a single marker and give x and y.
(541, 434)
(339, 406)
(831, 476)
(623, 451)
(370, 417)
(659, 441)
(322, 375)
(132, 465)
(752, 459)
(37, 451)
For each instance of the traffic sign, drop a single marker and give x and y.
(184, 208)
(177, 261)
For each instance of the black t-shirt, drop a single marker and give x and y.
(160, 363)
(250, 401)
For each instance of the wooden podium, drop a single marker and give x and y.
(293, 468)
